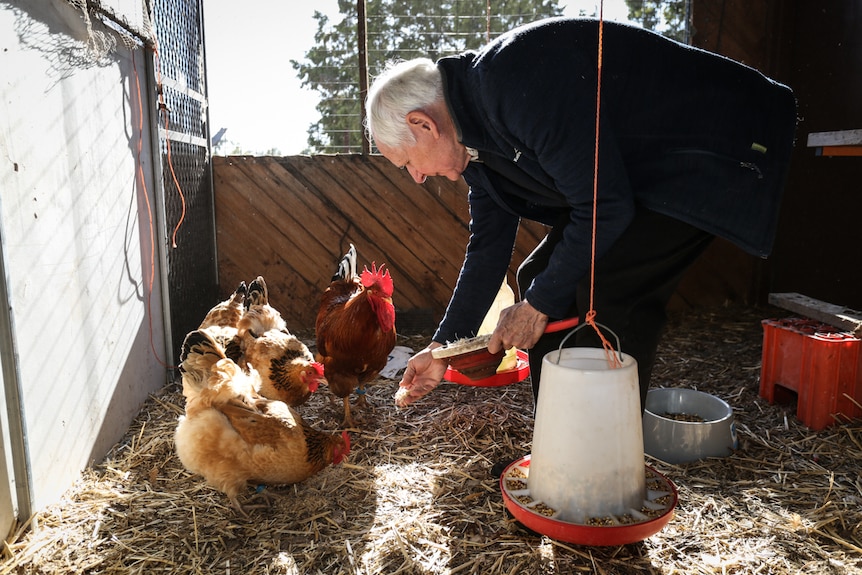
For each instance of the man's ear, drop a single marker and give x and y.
(421, 124)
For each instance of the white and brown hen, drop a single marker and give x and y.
(288, 371)
(221, 324)
(232, 436)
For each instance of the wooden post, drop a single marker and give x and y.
(362, 39)
(835, 315)
(840, 143)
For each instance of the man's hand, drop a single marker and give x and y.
(520, 325)
(423, 373)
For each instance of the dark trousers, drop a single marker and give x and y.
(634, 281)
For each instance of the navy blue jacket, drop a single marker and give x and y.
(687, 133)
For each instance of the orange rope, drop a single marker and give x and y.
(612, 358)
(149, 213)
(164, 107)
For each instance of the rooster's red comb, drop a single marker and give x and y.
(377, 277)
(341, 453)
(318, 367)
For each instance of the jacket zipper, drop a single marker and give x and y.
(747, 165)
(753, 167)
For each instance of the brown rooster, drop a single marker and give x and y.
(288, 371)
(232, 436)
(221, 324)
(355, 329)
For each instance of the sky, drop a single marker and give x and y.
(254, 92)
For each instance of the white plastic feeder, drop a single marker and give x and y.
(587, 459)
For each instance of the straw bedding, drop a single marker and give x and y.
(416, 497)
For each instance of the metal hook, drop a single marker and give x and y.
(618, 351)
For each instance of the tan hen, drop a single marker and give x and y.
(288, 371)
(232, 436)
(221, 324)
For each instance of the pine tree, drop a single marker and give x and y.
(396, 29)
(667, 17)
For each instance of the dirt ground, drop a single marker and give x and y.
(416, 496)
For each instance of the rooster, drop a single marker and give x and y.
(231, 435)
(221, 324)
(355, 329)
(288, 370)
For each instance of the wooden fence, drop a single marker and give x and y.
(290, 219)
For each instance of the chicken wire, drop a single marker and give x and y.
(191, 270)
(129, 18)
(172, 31)
(434, 31)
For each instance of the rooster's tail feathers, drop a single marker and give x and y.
(240, 293)
(257, 293)
(239, 297)
(200, 343)
(228, 312)
(347, 266)
(200, 352)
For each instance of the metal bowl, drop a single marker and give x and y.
(683, 425)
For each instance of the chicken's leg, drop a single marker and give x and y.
(361, 401)
(260, 494)
(348, 418)
(244, 509)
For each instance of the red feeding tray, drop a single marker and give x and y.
(514, 375)
(656, 512)
(476, 364)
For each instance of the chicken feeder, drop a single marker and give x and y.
(648, 519)
(587, 470)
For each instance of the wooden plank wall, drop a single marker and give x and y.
(290, 219)
(816, 49)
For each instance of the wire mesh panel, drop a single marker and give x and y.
(184, 145)
(404, 29)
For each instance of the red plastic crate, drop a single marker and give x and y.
(819, 362)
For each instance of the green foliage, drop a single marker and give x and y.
(668, 17)
(396, 29)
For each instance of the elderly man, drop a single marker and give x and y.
(692, 145)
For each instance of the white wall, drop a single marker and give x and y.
(76, 238)
(7, 503)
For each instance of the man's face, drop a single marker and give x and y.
(433, 154)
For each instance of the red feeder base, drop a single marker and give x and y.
(656, 513)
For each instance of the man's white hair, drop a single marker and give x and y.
(400, 89)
